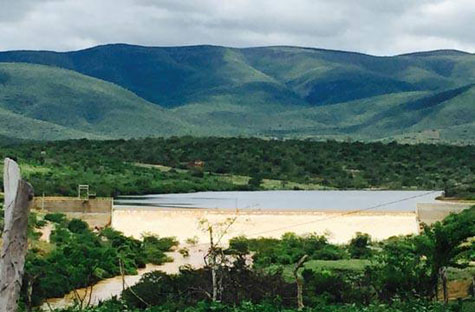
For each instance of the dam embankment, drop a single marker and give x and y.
(338, 227)
(429, 213)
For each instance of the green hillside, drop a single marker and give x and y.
(173, 76)
(267, 91)
(43, 102)
(384, 117)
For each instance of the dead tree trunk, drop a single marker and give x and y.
(215, 258)
(299, 282)
(18, 197)
(213, 265)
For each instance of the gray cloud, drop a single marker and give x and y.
(14, 10)
(379, 27)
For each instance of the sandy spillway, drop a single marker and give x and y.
(339, 227)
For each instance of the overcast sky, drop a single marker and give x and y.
(381, 27)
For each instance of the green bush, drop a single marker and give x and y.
(155, 248)
(289, 249)
(55, 217)
(77, 226)
(360, 246)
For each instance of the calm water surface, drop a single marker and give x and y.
(287, 200)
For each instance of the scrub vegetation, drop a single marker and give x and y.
(399, 274)
(78, 257)
(190, 164)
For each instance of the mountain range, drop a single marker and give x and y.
(123, 91)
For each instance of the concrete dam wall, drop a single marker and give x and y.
(97, 212)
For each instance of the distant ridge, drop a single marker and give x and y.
(265, 91)
(121, 44)
(436, 52)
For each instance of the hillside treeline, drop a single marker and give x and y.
(110, 166)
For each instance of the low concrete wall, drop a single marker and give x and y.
(96, 212)
(433, 212)
(73, 204)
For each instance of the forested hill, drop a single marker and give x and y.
(266, 91)
(174, 76)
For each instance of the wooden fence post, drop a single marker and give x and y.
(18, 198)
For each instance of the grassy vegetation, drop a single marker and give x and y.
(461, 274)
(269, 92)
(350, 264)
(147, 166)
(46, 103)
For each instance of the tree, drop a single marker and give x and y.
(359, 246)
(400, 269)
(446, 244)
(255, 181)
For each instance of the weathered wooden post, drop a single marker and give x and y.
(18, 198)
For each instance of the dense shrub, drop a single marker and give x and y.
(55, 217)
(360, 246)
(289, 249)
(333, 286)
(412, 306)
(77, 226)
(154, 248)
(192, 286)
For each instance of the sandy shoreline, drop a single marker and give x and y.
(339, 226)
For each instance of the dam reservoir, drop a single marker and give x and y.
(402, 201)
